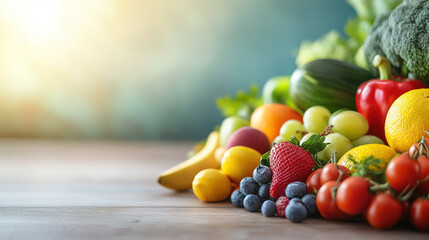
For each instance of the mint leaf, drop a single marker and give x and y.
(265, 159)
(314, 144)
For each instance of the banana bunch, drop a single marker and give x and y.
(180, 177)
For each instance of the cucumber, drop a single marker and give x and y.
(327, 82)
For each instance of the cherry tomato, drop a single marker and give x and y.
(326, 205)
(419, 214)
(402, 173)
(415, 148)
(331, 173)
(405, 213)
(353, 195)
(423, 187)
(313, 181)
(383, 211)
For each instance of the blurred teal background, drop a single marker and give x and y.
(142, 69)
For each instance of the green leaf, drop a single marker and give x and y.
(242, 104)
(369, 167)
(294, 140)
(265, 159)
(314, 144)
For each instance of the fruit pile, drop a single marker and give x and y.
(318, 164)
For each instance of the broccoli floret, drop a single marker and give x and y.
(403, 38)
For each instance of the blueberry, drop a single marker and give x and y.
(296, 212)
(252, 203)
(237, 198)
(249, 186)
(296, 190)
(268, 208)
(264, 191)
(262, 174)
(295, 200)
(309, 201)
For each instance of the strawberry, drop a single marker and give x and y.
(289, 163)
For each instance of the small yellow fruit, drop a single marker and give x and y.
(239, 162)
(407, 119)
(359, 153)
(211, 185)
(220, 151)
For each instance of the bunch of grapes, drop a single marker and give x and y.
(343, 130)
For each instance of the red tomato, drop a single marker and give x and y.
(423, 187)
(383, 211)
(326, 205)
(415, 148)
(353, 195)
(331, 173)
(313, 181)
(419, 214)
(405, 213)
(402, 173)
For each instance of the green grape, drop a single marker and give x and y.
(292, 127)
(322, 158)
(316, 118)
(338, 143)
(351, 124)
(367, 139)
(280, 138)
(336, 113)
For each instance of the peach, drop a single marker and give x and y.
(249, 137)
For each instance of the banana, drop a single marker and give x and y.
(180, 177)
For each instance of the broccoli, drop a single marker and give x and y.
(403, 38)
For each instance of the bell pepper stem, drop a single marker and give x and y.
(383, 66)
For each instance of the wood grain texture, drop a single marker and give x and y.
(107, 190)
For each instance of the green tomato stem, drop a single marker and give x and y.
(378, 187)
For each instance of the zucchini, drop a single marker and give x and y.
(327, 82)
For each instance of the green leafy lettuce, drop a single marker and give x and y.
(242, 104)
(334, 46)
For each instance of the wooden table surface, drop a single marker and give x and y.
(108, 190)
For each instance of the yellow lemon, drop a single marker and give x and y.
(359, 153)
(407, 119)
(211, 185)
(239, 162)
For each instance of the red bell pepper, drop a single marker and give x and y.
(374, 97)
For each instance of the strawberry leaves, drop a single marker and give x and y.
(265, 159)
(313, 145)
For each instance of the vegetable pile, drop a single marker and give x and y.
(341, 138)
(402, 37)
